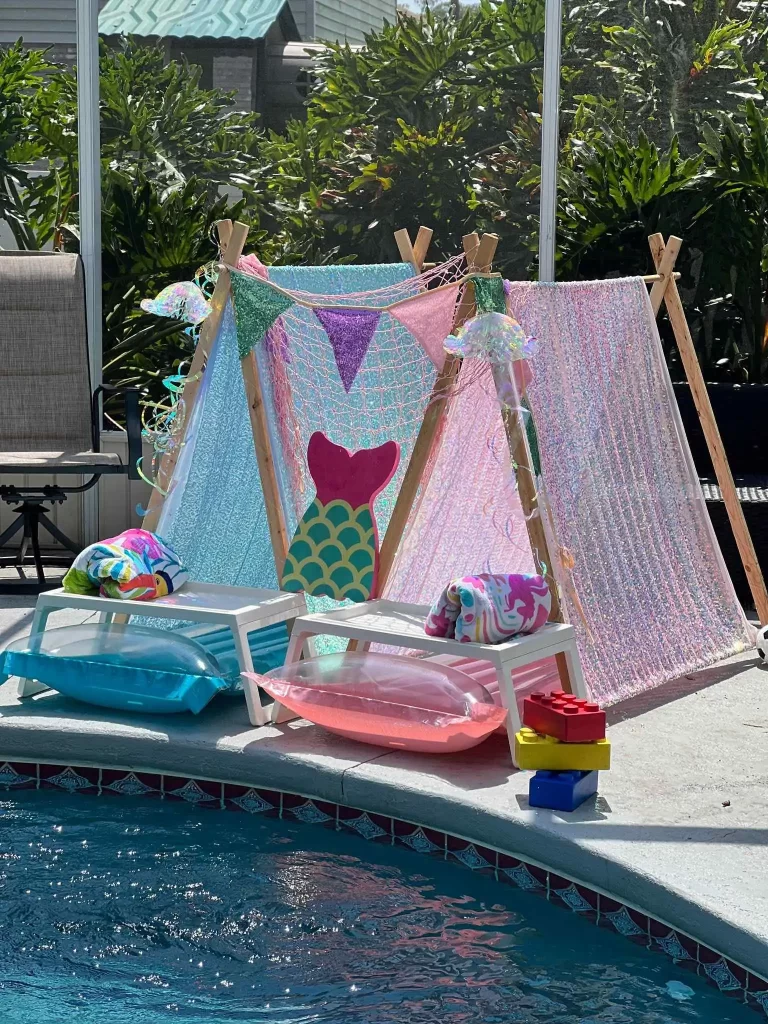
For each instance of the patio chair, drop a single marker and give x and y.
(51, 416)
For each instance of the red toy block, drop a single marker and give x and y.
(569, 719)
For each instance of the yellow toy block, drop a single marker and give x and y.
(535, 752)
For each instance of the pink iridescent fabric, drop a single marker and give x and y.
(490, 608)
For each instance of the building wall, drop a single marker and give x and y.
(300, 9)
(340, 20)
(43, 22)
(40, 22)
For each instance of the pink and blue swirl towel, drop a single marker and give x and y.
(490, 608)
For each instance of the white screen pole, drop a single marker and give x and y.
(550, 138)
(89, 156)
(89, 187)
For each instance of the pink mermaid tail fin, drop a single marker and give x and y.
(356, 478)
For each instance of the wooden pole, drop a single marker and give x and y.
(278, 533)
(479, 258)
(517, 439)
(664, 257)
(421, 246)
(479, 255)
(232, 240)
(530, 502)
(414, 253)
(224, 231)
(262, 444)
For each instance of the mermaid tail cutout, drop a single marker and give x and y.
(335, 550)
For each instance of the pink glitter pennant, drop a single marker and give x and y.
(429, 318)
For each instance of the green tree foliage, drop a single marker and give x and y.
(22, 74)
(404, 131)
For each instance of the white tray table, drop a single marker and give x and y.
(402, 625)
(242, 609)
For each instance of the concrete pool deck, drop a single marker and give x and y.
(679, 829)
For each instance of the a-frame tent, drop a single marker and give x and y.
(422, 455)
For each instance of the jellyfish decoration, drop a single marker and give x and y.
(493, 336)
(183, 300)
(501, 341)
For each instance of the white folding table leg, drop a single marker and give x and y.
(509, 701)
(257, 714)
(295, 645)
(573, 661)
(299, 641)
(29, 687)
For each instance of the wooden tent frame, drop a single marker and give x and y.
(479, 254)
(665, 290)
(231, 244)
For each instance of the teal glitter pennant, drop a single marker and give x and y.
(257, 306)
(489, 295)
(533, 438)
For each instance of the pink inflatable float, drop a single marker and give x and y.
(387, 700)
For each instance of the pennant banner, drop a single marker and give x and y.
(429, 318)
(257, 306)
(350, 332)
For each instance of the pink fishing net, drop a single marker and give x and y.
(648, 595)
(468, 519)
(656, 596)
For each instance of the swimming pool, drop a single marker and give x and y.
(146, 911)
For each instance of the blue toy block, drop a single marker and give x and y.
(561, 791)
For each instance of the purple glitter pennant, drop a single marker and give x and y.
(350, 332)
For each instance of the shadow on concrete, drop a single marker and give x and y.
(592, 810)
(641, 703)
(19, 627)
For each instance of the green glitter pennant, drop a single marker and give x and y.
(489, 295)
(257, 306)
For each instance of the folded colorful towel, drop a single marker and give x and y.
(490, 608)
(134, 566)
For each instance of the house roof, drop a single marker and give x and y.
(216, 19)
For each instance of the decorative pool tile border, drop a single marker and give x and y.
(731, 978)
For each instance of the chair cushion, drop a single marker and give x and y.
(45, 392)
(19, 462)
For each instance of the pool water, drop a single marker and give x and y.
(133, 910)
